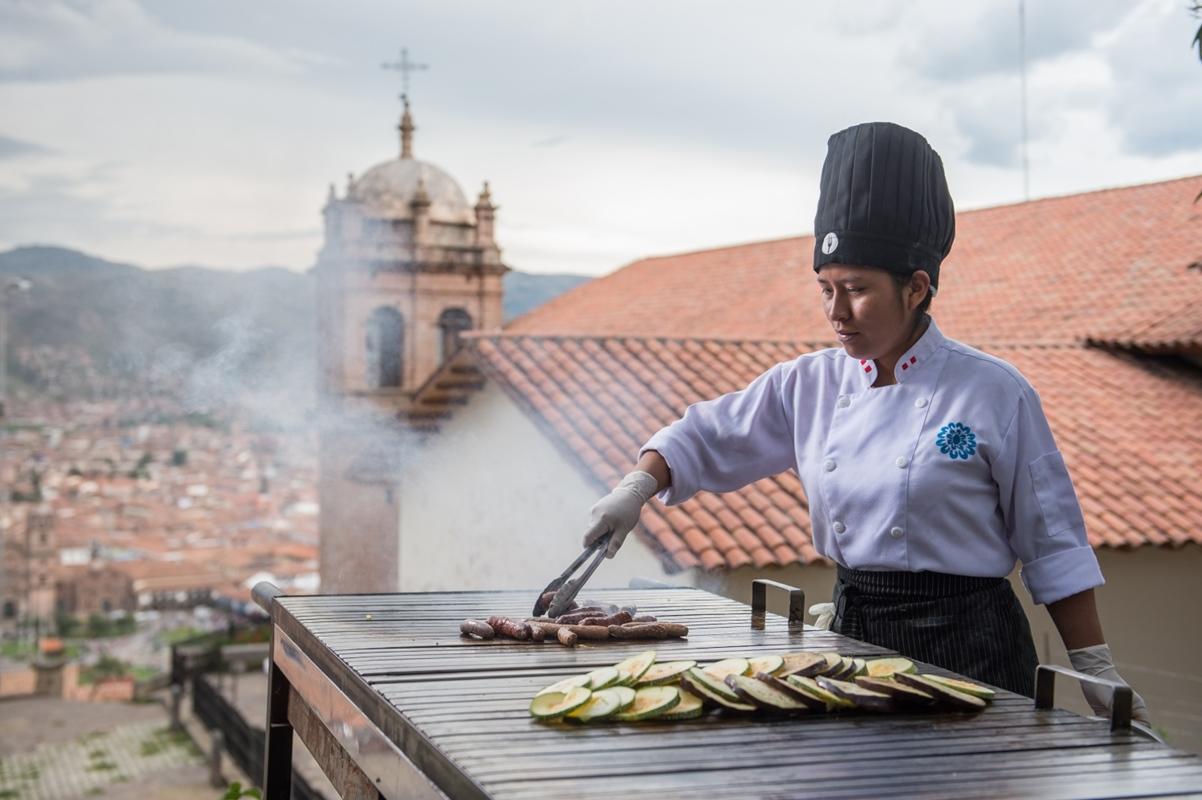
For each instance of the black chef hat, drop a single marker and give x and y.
(884, 202)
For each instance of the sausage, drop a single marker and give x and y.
(537, 632)
(644, 618)
(621, 618)
(592, 633)
(474, 627)
(507, 627)
(648, 630)
(547, 597)
(566, 637)
(574, 617)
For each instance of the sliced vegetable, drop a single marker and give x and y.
(633, 668)
(847, 669)
(833, 701)
(834, 661)
(553, 705)
(649, 703)
(689, 707)
(943, 694)
(884, 667)
(565, 685)
(762, 695)
(667, 672)
(860, 665)
(858, 695)
(705, 687)
(603, 677)
(729, 666)
(808, 664)
(768, 664)
(604, 703)
(808, 700)
(903, 696)
(968, 687)
(625, 695)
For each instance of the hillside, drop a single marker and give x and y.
(93, 326)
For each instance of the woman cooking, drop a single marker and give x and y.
(929, 466)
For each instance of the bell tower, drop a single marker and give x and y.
(407, 266)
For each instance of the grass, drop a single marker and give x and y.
(101, 766)
(8, 794)
(164, 738)
(177, 635)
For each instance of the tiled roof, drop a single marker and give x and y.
(600, 398)
(1111, 266)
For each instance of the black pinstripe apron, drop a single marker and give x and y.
(973, 626)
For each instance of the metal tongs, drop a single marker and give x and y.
(565, 589)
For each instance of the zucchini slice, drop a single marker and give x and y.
(729, 666)
(633, 668)
(650, 703)
(860, 665)
(625, 696)
(834, 661)
(768, 664)
(848, 669)
(565, 685)
(667, 672)
(689, 707)
(884, 667)
(808, 700)
(602, 704)
(943, 694)
(833, 701)
(554, 705)
(808, 664)
(603, 677)
(903, 696)
(760, 694)
(860, 697)
(706, 688)
(968, 687)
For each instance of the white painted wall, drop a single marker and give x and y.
(492, 504)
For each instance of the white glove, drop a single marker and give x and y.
(619, 510)
(1096, 660)
(825, 612)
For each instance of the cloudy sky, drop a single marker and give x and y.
(168, 132)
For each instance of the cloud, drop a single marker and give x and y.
(49, 40)
(17, 148)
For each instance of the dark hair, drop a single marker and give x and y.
(903, 281)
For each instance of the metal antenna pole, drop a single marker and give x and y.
(1022, 71)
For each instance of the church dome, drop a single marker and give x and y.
(388, 189)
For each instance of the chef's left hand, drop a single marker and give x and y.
(1096, 661)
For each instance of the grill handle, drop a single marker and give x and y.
(1120, 707)
(759, 604)
(264, 594)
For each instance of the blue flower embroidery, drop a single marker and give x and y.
(956, 440)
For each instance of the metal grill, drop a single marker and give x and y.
(423, 713)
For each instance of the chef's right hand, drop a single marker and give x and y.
(619, 510)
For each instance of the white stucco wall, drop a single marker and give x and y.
(492, 504)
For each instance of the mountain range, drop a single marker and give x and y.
(152, 326)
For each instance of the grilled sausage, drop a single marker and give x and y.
(592, 633)
(574, 617)
(547, 597)
(648, 630)
(644, 618)
(566, 637)
(507, 627)
(621, 618)
(474, 627)
(537, 633)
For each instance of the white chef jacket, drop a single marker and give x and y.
(953, 469)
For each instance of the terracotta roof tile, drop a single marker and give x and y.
(605, 365)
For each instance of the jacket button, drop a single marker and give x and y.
(896, 533)
(901, 462)
(920, 402)
(844, 401)
(839, 527)
(829, 465)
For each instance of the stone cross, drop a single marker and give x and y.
(404, 66)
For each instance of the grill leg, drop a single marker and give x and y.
(277, 752)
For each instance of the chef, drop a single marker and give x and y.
(929, 466)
